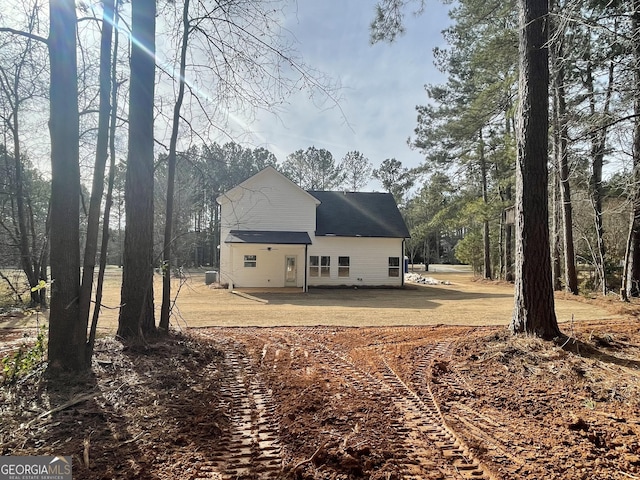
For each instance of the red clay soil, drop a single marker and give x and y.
(343, 403)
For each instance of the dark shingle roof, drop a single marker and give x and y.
(352, 214)
(276, 238)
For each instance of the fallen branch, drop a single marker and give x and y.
(627, 474)
(87, 445)
(131, 440)
(312, 457)
(70, 403)
(11, 286)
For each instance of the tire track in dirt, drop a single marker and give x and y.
(425, 446)
(412, 456)
(423, 415)
(492, 435)
(419, 419)
(251, 449)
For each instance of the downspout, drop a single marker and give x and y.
(230, 253)
(402, 262)
(306, 288)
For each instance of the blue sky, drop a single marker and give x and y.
(381, 84)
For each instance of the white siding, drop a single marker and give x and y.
(368, 260)
(266, 201)
(270, 265)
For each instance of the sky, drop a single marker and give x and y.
(381, 84)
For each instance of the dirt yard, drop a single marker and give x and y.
(423, 383)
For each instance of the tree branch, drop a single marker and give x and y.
(30, 35)
(603, 127)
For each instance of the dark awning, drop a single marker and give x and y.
(270, 237)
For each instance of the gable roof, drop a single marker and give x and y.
(248, 184)
(353, 214)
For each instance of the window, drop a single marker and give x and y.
(325, 266)
(250, 261)
(314, 266)
(343, 266)
(319, 266)
(394, 266)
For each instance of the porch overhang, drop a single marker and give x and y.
(268, 237)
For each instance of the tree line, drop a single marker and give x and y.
(202, 174)
(468, 134)
(532, 144)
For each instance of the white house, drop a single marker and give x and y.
(275, 234)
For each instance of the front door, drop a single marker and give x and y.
(290, 272)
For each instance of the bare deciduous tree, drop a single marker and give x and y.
(21, 83)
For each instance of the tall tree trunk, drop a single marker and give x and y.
(136, 314)
(507, 197)
(44, 256)
(598, 144)
(534, 308)
(97, 189)
(104, 247)
(67, 335)
(631, 274)
(171, 174)
(561, 130)
(508, 241)
(486, 241)
(503, 226)
(562, 162)
(26, 254)
(556, 271)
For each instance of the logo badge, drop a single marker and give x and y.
(35, 468)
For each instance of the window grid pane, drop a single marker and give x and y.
(325, 266)
(394, 266)
(250, 261)
(343, 266)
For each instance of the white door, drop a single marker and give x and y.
(290, 271)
